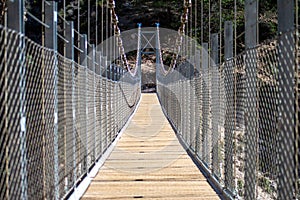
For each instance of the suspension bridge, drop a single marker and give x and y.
(75, 123)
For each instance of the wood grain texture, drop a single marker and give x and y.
(149, 162)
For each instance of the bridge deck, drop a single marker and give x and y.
(149, 162)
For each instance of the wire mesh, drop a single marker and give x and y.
(98, 122)
(65, 124)
(229, 125)
(268, 120)
(240, 153)
(10, 108)
(90, 118)
(35, 116)
(215, 113)
(81, 121)
(239, 123)
(87, 115)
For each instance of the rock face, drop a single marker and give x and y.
(148, 76)
(148, 73)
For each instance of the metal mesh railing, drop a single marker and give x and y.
(39, 161)
(208, 106)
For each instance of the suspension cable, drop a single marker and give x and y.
(178, 44)
(181, 32)
(117, 33)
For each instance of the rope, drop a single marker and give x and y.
(178, 44)
(136, 94)
(117, 32)
(181, 32)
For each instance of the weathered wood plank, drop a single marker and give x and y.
(149, 162)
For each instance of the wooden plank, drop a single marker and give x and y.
(149, 162)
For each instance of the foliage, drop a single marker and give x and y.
(167, 12)
(267, 19)
(265, 184)
(240, 187)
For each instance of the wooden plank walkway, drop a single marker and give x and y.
(148, 162)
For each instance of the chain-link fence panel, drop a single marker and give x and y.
(90, 118)
(239, 124)
(27, 119)
(40, 161)
(39, 120)
(248, 151)
(65, 125)
(14, 53)
(98, 112)
(267, 72)
(81, 115)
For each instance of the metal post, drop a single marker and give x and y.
(122, 99)
(187, 95)
(83, 61)
(51, 42)
(98, 61)
(97, 110)
(117, 99)
(105, 103)
(70, 54)
(114, 99)
(108, 98)
(98, 71)
(229, 112)
(228, 40)
(51, 21)
(15, 21)
(15, 15)
(181, 101)
(198, 118)
(83, 47)
(157, 57)
(215, 104)
(287, 129)
(140, 51)
(251, 11)
(215, 49)
(90, 102)
(70, 37)
(192, 103)
(184, 100)
(93, 56)
(205, 103)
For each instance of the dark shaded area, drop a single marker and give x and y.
(149, 12)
